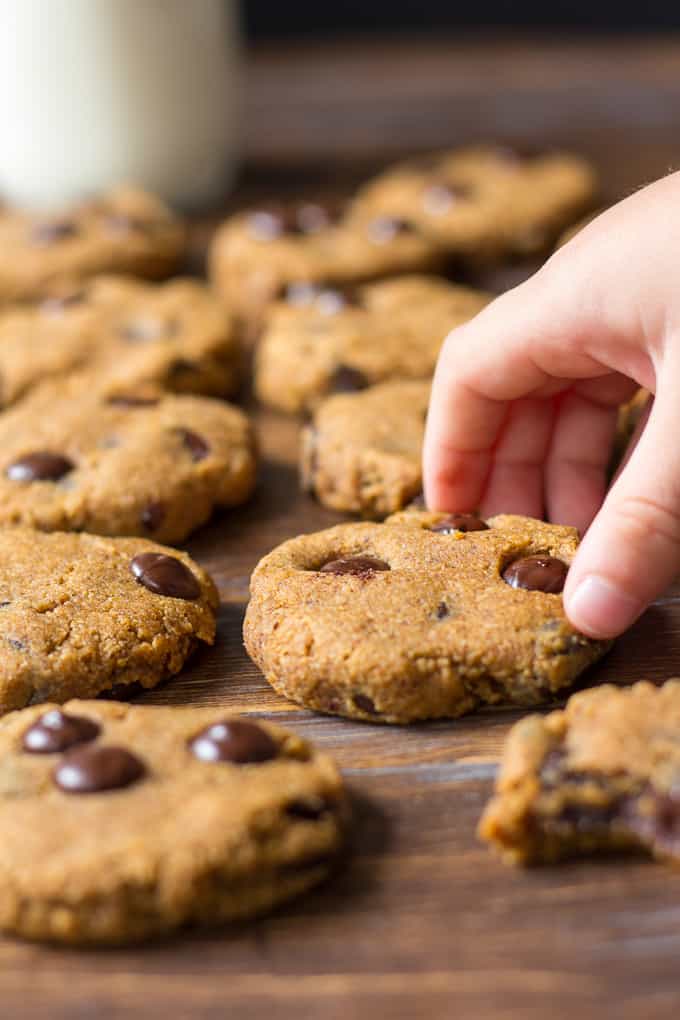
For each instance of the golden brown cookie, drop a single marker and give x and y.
(122, 823)
(176, 334)
(255, 256)
(124, 231)
(485, 203)
(599, 776)
(425, 616)
(334, 342)
(78, 454)
(362, 451)
(80, 614)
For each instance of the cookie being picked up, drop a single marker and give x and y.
(121, 823)
(425, 616)
(599, 776)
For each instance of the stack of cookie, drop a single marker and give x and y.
(348, 318)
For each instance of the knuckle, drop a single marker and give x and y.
(643, 519)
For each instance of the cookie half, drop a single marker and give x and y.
(125, 231)
(177, 335)
(257, 255)
(485, 203)
(425, 616)
(78, 455)
(80, 614)
(328, 342)
(362, 451)
(121, 823)
(599, 776)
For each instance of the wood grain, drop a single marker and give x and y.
(422, 921)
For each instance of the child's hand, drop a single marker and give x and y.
(524, 402)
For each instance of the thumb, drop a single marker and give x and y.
(631, 552)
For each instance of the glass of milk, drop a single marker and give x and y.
(98, 92)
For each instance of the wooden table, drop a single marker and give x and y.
(422, 921)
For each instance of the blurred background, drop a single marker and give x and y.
(266, 19)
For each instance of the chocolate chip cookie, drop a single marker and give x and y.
(80, 614)
(82, 455)
(176, 334)
(427, 615)
(362, 451)
(599, 776)
(121, 823)
(258, 256)
(485, 203)
(126, 231)
(332, 342)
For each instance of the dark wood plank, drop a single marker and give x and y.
(422, 920)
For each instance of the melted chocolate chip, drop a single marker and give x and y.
(53, 231)
(328, 300)
(57, 731)
(280, 221)
(165, 575)
(459, 522)
(55, 304)
(365, 704)
(18, 645)
(309, 809)
(95, 769)
(41, 466)
(359, 566)
(442, 611)
(152, 516)
(537, 573)
(197, 446)
(347, 380)
(132, 400)
(655, 817)
(386, 228)
(440, 196)
(235, 741)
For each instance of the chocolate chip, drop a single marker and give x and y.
(52, 231)
(537, 573)
(181, 366)
(57, 731)
(165, 575)
(365, 704)
(459, 522)
(132, 400)
(442, 611)
(41, 466)
(16, 644)
(386, 228)
(55, 304)
(152, 516)
(328, 300)
(309, 809)
(655, 817)
(143, 330)
(279, 221)
(347, 380)
(359, 566)
(95, 769)
(197, 446)
(234, 740)
(440, 196)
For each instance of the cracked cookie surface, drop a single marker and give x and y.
(388, 330)
(153, 818)
(82, 455)
(362, 451)
(425, 616)
(599, 776)
(123, 231)
(80, 614)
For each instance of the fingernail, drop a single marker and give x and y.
(601, 609)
